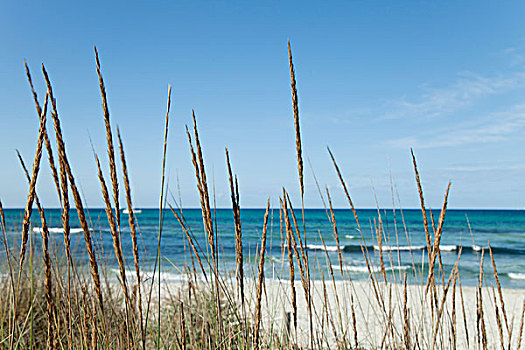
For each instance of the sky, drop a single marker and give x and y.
(374, 79)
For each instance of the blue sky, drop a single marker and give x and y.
(374, 79)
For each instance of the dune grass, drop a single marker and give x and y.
(57, 302)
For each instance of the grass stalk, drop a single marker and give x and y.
(46, 260)
(109, 138)
(422, 202)
(289, 234)
(133, 233)
(520, 331)
(437, 240)
(117, 247)
(261, 277)
(31, 196)
(234, 190)
(78, 201)
(47, 143)
(159, 237)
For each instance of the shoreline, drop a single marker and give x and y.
(379, 318)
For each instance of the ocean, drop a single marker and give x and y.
(404, 242)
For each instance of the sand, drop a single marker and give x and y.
(379, 314)
(372, 314)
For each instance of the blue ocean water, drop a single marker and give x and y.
(403, 241)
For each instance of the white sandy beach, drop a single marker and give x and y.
(373, 330)
(334, 317)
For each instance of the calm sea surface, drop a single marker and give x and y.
(404, 242)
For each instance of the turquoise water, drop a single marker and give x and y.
(504, 229)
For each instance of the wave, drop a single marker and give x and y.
(328, 248)
(57, 230)
(364, 269)
(517, 275)
(349, 236)
(164, 276)
(387, 248)
(448, 248)
(352, 248)
(496, 250)
(443, 248)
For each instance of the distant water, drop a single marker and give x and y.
(504, 229)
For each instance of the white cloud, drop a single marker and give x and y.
(469, 88)
(479, 168)
(492, 128)
(517, 58)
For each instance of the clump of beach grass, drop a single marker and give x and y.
(50, 298)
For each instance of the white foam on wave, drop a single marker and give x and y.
(476, 248)
(364, 269)
(352, 268)
(164, 276)
(57, 230)
(328, 248)
(448, 248)
(517, 275)
(387, 248)
(349, 236)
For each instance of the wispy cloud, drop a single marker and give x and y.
(479, 168)
(495, 127)
(516, 56)
(467, 89)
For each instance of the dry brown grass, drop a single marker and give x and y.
(261, 276)
(32, 191)
(51, 339)
(109, 138)
(234, 190)
(116, 244)
(289, 244)
(55, 304)
(64, 164)
(133, 233)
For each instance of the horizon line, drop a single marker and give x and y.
(306, 208)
